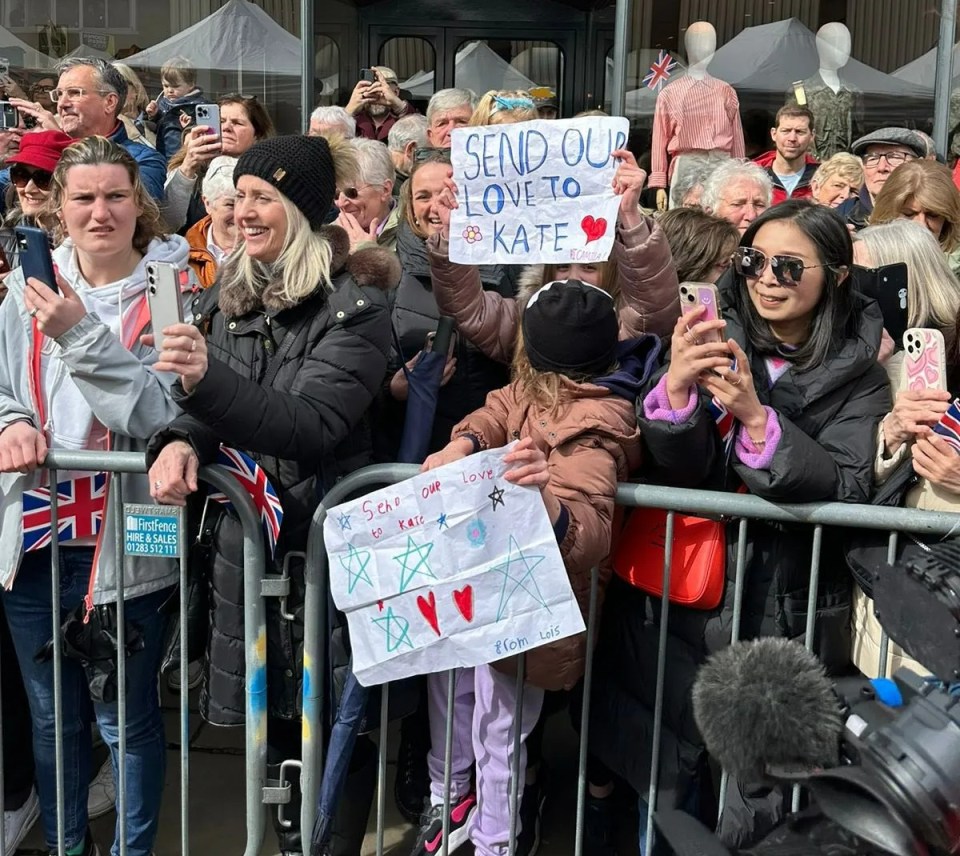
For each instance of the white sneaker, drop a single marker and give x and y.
(16, 824)
(194, 677)
(102, 797)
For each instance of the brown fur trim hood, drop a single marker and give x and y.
(370, 267)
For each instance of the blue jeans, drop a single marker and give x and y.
(28, 609)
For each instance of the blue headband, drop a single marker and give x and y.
(501, 103)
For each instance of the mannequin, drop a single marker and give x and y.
(696, 113)
(836, 105)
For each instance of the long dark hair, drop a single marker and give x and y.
(833, 317)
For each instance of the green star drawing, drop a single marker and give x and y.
(355, 564)
(523, 566)
(410, 568)
(396, 628)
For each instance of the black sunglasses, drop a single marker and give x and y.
(21, 176)
(788, 270)
(423, 154)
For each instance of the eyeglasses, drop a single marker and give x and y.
(72, 93)
(351, 192)
(892, 158)
(42, 87)
(788, 270)
(22, 175)
(431, 153)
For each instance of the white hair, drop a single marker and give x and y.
(219, 178)
(376, 165)
(337, 117)
(450, 99)
(409, 129)
(727, 173)
(691, 171)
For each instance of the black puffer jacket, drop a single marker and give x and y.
(829, 417)
(414, 315)
(306, 430)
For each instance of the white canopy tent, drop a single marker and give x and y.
(478, 68)
(923, 70)
(239, 38)
(12, 49)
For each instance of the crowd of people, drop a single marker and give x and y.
(314, 269)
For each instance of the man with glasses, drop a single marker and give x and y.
(40, 92)
(89, 96)
(882, 152)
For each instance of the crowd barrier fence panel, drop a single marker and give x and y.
(118, 464)
(741, 509)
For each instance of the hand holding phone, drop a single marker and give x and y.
(209, 115)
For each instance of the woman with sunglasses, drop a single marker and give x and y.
(31, 169)
(794, 363)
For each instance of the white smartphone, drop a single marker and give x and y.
(209, 114)
(163, 298)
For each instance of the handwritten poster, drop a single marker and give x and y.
(454, 567)
(536, 192)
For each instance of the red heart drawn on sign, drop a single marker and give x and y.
(428, 608)
(464, 601)
(593, 229)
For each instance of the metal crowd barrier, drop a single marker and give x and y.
(739, 508)
(118, 464)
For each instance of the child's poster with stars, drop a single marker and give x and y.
(454, 567)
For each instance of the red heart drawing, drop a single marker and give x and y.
(464, 601)
(428, 608)
(593, 229)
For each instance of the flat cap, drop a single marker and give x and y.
(891, 137)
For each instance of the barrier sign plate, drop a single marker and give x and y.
(151, 530)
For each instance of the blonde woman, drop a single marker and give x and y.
(136, 103)
(504, 107)
(923, 192)
(933, 298)
(295, 348)
(837, 180)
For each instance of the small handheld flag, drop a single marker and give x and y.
(254, 481)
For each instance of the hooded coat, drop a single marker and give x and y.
(828, 418)
(306, 430)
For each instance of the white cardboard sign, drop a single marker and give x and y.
(536, 192)
(455, 567)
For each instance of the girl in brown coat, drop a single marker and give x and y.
(571, 406)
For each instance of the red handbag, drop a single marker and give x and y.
(697, 574)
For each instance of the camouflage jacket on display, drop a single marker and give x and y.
(839, 115)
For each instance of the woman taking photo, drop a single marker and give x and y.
(76, 376)
(243, 121)
(295, 349)
(213, 237)
(797, 368)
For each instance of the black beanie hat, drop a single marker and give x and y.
(571, 328)
(300, 167)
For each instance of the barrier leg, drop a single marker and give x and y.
(184, 694)
(585, 713)
(884, 638)
(57, 661)
(118, 551)
(382, 766)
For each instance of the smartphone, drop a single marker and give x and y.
(924, 360)
(888, 286)
(33, 245)
(163, 298)
(208, 114)
(9, 116)
(696, 294)
(368, 75)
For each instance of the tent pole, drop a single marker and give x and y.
(944, 79)
(621, 41)
(308, 68)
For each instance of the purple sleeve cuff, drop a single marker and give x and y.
(753, 456)
(656, 406)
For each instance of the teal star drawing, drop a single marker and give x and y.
(396, 629)
(496, 496)
(517, 571)
(355, 564)
(414, 561)
(344, 521)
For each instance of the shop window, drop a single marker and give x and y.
(327, 64)
(114, 15)
(415, 62)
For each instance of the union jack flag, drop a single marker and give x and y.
(79, 511)
(949, 425)
(660, 71)
(254, 481)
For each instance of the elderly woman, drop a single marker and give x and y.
(369, 213)
(95, 386)
(923, 191)
(739, 191)
(296, 348)
(837, 179)
(212, 238)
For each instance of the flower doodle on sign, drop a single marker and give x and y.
(476, 533)
(472, 235)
